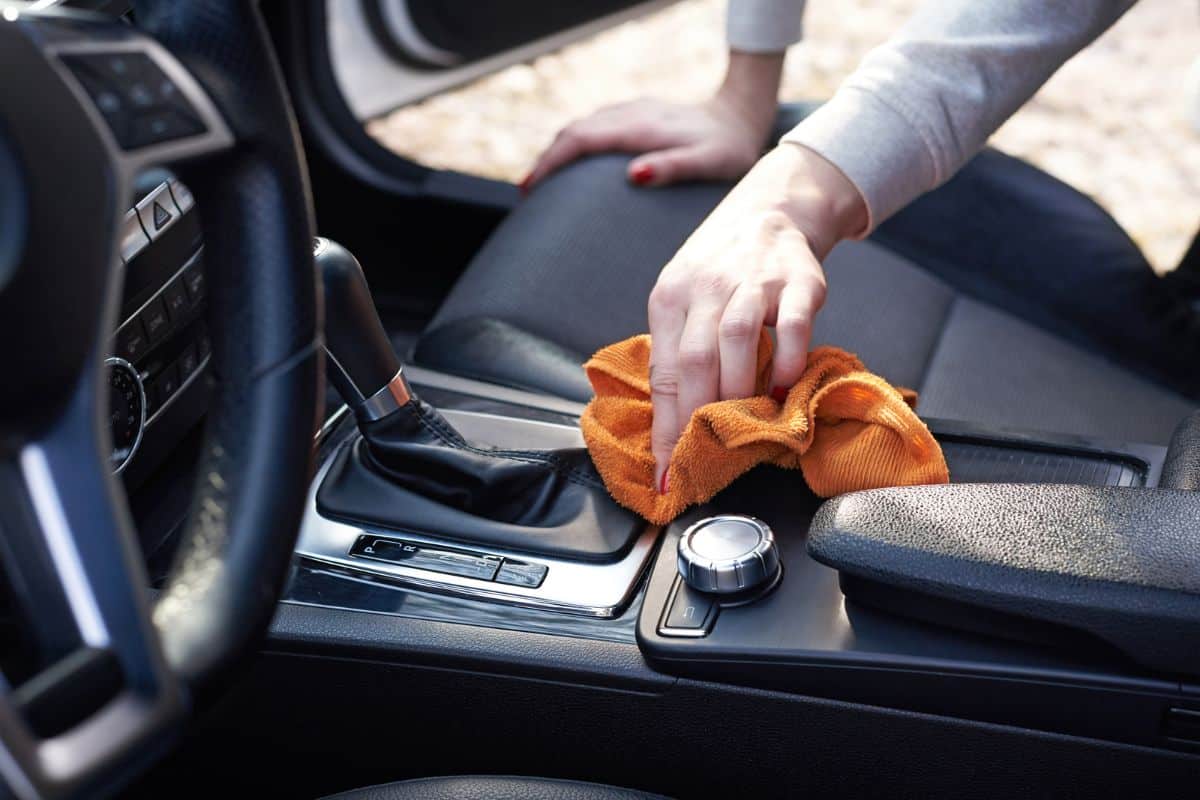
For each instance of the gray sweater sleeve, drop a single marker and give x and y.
(920, 105)
(763, 26)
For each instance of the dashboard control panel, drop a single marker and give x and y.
(160, 349)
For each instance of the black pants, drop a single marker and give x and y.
(1007, 233)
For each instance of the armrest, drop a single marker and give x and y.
(1182, 467)
(1119, 564)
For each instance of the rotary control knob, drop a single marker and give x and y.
(728, 554)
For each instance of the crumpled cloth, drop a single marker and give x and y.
(843, 427)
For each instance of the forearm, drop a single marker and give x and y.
(751, 88)
(922, 104)
(759, 32)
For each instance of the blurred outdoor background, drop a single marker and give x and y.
(1117, 122)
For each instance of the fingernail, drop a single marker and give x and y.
(523, 186)
(663, 484)
(779, 393)
(642, 174)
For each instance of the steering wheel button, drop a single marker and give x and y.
(161, 125)
(140, 95)
(141, 105)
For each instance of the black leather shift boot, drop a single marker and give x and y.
(412, 471)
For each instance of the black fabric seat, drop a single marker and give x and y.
(474, 787)
(571, 268)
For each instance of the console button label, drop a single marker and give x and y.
(433, 559)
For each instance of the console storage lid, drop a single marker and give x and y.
(1121, 565)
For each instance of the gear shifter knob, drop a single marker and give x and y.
(365, 371)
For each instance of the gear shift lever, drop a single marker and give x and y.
(412, 471)
(365, 369)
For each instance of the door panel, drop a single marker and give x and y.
(387, 53)
(441, 33)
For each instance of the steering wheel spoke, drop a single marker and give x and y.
(109, 667)
(101, 690)
(148, 108)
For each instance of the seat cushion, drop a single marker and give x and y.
(574, 264)
(474, 787)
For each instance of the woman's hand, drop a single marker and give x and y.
(717, 140)
(755, 261)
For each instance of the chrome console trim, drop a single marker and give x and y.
(573, 587)
(388, 399)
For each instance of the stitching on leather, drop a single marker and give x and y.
(451, 438)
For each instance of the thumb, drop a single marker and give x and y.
(673, 165)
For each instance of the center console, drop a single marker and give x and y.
(739, 614)
(459, 564)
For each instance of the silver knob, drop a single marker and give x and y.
(727, 554)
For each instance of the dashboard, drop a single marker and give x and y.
(158, 367)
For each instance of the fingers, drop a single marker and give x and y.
(798, 305)
(666, 328)
(620, 128)
(699, 357)
(574, 141)
(676, 164)
(737, 340)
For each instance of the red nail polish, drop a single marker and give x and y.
(663, 484)
(523, 186)
(779, 393)
(642, 174)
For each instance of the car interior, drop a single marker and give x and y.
(295, 499)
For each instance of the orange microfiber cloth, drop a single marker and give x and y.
(844, 427)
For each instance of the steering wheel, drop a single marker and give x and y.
(86, 103)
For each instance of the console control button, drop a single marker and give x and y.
(156, 320)
(182, 196)
(690, 613)
(177, 300)
(193, 278)
(728, 554)
(189, 362)
(203, 345)
(157, 211)
(133, 237)
(131, 340)
(433, 559)
(165, 385)
(518, 573)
